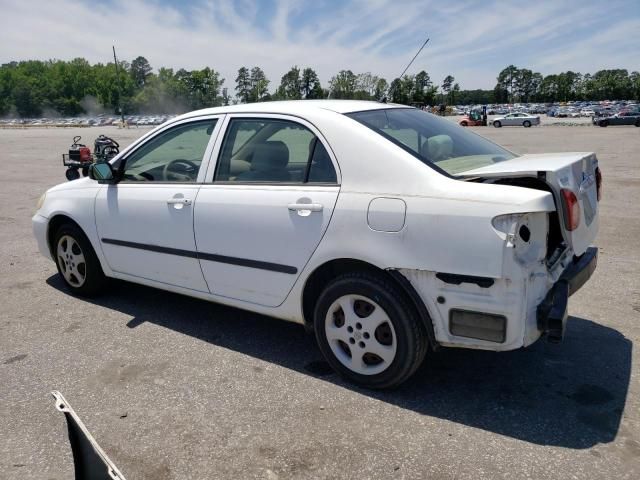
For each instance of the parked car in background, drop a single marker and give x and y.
(516, 119)
(622, 118)
(587, 112)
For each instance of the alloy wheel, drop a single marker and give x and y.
(360, 334)
(71, 261)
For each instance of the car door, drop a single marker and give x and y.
(145, 221)
(265, 208)
(509, 120)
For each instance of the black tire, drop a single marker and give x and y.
(497, 124)
(85, 171)
(94, 278)
(526, 124)
(604, 123)
(463, 124)
(410, 335)
(72, 174)
(637, 122)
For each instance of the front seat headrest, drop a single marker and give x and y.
(273, 155)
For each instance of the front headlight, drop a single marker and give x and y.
(41, 201)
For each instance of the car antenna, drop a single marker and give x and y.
(384, 100)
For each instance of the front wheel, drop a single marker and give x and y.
(526, 124)
(638, 122)
(604, 123)
(497, 124)
(463, 124)
(368, 332)
(77, 262)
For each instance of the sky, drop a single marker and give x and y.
(471, 40)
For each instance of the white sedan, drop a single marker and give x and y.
(516, 120)
(386, 230)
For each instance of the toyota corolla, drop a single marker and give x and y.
(386, 230)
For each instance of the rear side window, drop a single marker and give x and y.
(435, 141)
(272, 151)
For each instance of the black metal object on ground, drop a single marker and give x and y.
(89, 460)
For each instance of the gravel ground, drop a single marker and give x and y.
(176, 388)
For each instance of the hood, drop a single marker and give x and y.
(80, 183)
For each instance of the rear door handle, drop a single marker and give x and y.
(179, 201)
(312, 207)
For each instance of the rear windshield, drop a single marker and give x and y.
(434, 140)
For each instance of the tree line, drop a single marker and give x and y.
(523, 85)
(55, 87)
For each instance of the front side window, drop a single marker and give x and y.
(173, 156)
(435, 141)
(272, 151)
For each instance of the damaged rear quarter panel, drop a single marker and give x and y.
(450, 231)
(515, 294)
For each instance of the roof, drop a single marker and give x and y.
(297, 107)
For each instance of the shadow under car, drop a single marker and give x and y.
(570, 395)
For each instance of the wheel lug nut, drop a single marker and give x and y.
(352, 341)
(358, 325)
(350, 329)
(361, 344)
(366, 335)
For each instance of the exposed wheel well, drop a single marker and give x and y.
(54, 224)
(322, 275)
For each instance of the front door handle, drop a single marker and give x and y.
(311, 207)
(179, 201)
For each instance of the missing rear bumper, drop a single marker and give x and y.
(552, 313)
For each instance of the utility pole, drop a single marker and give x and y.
(115, 59)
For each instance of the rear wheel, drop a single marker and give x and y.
(638, 122)
(604, 123)
(526, 124)
(368, 332)
(497, 124)
(77, 262)
(463, 124)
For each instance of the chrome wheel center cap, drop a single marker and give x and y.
(357, 335)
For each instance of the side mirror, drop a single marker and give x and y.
(102, 172)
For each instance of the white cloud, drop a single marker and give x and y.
(470, 40)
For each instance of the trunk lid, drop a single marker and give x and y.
(572, 171)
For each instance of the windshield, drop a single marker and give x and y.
(435, 141)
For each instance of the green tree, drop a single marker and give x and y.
(259, 85)
(447, 83)
(381, 89)
(243, 85)
(401, 90)
(454, 92)
(634, 78)
(140, 70)
(291, 85)
(506, 81)
(422, 88)
(311, 88)
(343, 85)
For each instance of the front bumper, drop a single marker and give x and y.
(40, 225)
(552, 313)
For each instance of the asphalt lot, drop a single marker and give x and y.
(174, 388)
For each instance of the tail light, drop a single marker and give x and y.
(571, 209)
(599, 182)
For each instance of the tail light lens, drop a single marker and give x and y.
(571, 209)
(599, 182)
